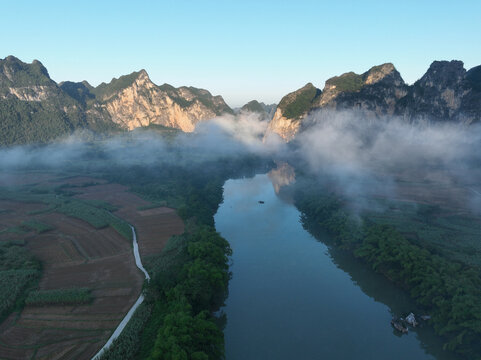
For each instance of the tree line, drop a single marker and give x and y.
(448, 290)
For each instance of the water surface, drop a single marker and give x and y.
(291, 297)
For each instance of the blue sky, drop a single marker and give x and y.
(241, 50)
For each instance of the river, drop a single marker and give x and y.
(292, 297)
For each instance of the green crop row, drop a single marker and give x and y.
(73, 296)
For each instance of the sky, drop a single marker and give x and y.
(242, 50)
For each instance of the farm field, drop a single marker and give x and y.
(75, 254)
(154, 226)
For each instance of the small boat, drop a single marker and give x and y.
(399, 326)
(261, 202)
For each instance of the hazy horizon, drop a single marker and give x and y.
(242, 51)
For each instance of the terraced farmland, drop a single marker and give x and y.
(76, 254)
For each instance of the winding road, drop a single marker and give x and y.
(134, 307)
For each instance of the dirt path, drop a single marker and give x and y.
(139, 301)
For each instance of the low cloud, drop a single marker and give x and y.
(224, 136)
(363, 156)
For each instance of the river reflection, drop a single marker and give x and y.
(291, 297)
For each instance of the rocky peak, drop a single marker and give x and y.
(347, 82)
(386, 73)
(438, 94)
(79, 91)
(291, 109)
(254, 106)
(471, 100)
(25, 82)
(473, 78)
(443, 74)
(139, 79)
(143, 79)
(16, 73)
(40, 110)
(297, 103)
(446, 92)
(135, 101)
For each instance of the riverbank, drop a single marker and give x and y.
(447, 290)
(290, 297)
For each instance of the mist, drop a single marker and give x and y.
(360, 157)
(364, 157)
(222, 137)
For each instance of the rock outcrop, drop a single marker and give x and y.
(376, 91)
(291, 110)
(445, 93)
(33, 108)
(135, 101)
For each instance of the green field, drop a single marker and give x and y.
(96, 213)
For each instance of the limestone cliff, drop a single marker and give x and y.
(291, 110)
(375, 91)
(284, 127)
(135, 101)
(445, 93)
(33, 108)
(26, 82)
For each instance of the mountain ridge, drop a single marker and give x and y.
(446, 92)
(34, 108)
(265, 111)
